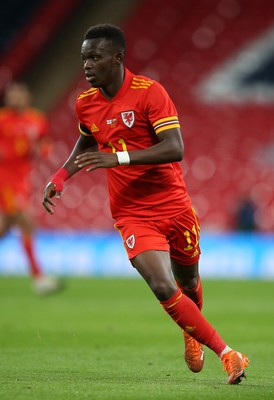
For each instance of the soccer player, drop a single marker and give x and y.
(23, 131)
(129, 125)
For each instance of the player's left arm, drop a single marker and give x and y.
(170, 148)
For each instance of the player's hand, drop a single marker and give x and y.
(96, 160)
(50, 192)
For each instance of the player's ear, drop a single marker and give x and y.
(119, 57)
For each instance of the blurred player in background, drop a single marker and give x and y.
(23, 138)
(134, 124)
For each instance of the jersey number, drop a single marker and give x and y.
(190, 245)
(121, 142)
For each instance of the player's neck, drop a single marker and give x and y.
(110, 91)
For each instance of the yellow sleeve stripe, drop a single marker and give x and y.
(139, 83)
(141, 80)
(166, 119)
(82, 132)
(89, 92)
(139, 86)
(166, 127)
(166, 123)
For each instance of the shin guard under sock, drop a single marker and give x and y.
(189, 318)
(195, 293)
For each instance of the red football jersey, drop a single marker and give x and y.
(19, 134)
(131, 121)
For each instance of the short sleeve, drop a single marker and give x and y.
(160, 109)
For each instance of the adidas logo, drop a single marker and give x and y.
(94, 128)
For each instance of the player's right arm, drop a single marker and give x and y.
(55, 186)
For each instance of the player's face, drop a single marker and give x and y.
(100, 62)
(17, 96)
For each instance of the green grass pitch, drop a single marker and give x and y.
(106, 339)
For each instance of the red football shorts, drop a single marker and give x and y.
(178, 235)
(13, 199)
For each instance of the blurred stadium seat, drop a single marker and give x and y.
(26, 29)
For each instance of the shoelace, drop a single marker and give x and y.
(193, 345)
(228, 364)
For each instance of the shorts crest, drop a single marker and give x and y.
(130, 241)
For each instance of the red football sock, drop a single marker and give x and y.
(187, 315)
(28, 246)
(195, 293)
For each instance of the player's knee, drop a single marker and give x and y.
(190, 283)
(163, 290)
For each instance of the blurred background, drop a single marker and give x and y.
(216, 60)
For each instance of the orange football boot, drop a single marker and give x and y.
(234, 364)
(194, 353)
